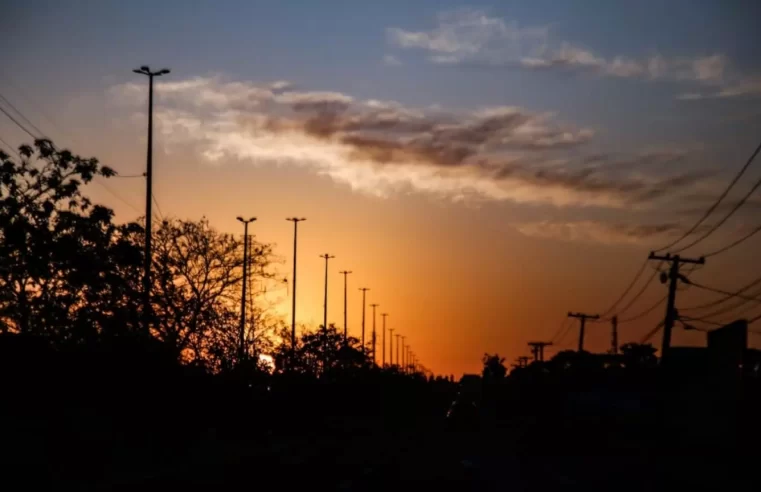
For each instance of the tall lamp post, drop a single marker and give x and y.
(345, 273)
(364, 306)
(325, 302)
(243, 289)
(145, 70)
(295, 221)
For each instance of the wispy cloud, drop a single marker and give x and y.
(391, 61)
(472, 36)
(592, 231)
(502, 153)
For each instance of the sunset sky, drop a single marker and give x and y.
(482, 168)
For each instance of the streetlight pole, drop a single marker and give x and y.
(364, 305)
(384, 315)
(397, 348)
(295, 221)
(375, 355)
(390, 346)
(145, 70)
(345, 273)
(325, 303)
(243, 290)
(403, 348)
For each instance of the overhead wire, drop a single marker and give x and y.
(10, 147)
(735, 243)
(727, 293)
(714, 206)
(726, 297)
(36, 137)
(20, 114)
(627, 290)
(724, 219)
(645, 312)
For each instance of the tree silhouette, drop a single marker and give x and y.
(636, 355)
(197, 289)
(494, 367)
(321, 353)
(67, 272)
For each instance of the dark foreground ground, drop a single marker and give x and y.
(88, 424)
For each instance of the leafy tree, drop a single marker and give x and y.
(67, 272)
(197, 289)
(321, 353)
(637, 355)
(494, 367)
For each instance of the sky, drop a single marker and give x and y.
(482, 168)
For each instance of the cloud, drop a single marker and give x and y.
(500, 153)
(599, 232)
(690, 96)
(472, 36)
(391, 61)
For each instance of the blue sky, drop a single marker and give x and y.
(339, 46)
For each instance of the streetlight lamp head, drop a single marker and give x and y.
(163, 71)
(252, 219)
(145, 68)
(240, 218)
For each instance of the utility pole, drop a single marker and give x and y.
(390, 344)
(537, 349)
(523, 361)
(325, 302)
(583, 317)
(243, 289)
(614, 335)
(384, 315)
(364, 291)
(375, 355)
(673, 277)
(295, 221)
(148, 255)
(345, 273)
(397, 348)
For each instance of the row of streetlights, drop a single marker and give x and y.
(407, 355)
(404, 359)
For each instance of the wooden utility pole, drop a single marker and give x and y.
(614, 335)
(583, 317)
(523, 361)
(672, 278)
(537, 349)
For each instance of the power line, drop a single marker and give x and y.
(40, 132)
(641, 291)
(726, 296)
(713, 207)
(563, 325)
(95, 180)
(158, 208)
(652, 333)
(628, 289)
(732, 245)
(719, 291)
(10, 147)
(25, 129)
(645, 312)
(723, 219)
